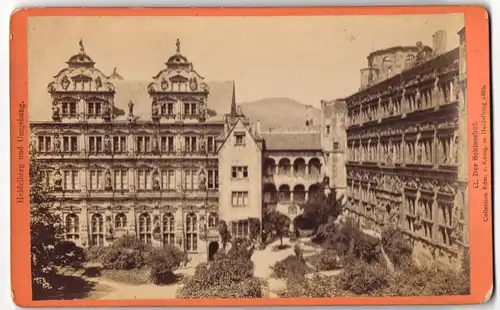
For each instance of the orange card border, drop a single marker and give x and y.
(478, 77)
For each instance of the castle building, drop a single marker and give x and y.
(405, 128)
(164, 159)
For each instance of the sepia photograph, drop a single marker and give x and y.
(226, 157)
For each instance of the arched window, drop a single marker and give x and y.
(284, 194)
(120, 221)
(145, 228)
(213, 220)
(191, 233)
(72, 227)
(97, 229)
(168, 229)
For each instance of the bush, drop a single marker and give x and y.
(163, 262)
(118, 258)
(292, 267)
(350, 242)
(317, 287)
(95, 253)
(229, 275)
(329, 260)
(397, 248)
(427, 281)
(364, 279)
(68, 253)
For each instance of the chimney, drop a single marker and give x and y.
(439, 42)
(257, 128)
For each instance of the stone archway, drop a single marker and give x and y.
(213, 247)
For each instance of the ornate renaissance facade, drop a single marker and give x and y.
(163, 159)
(405, 129)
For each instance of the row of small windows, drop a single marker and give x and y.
(69, 108)
(118, 144)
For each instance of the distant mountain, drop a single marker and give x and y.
(280, 112)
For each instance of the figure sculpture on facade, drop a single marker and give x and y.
(109, 226)
(154, 108)
(98, 83)
(106, 110)
(202, 179)
(55, 111)
(107, 180)
(107, 144)
(57, 179)
(156, 182)
(154, 144)
(130, 108)
(57, 144)
(203, 147)
(202, 111)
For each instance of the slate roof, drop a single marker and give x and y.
(291, 141)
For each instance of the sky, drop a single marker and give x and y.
(307, 58)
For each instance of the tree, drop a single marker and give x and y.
(255, 229)
(45, 228)
(224, 233)
(321, 208)
(276, 221)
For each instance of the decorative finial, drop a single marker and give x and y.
(82, 50)
(178, 44)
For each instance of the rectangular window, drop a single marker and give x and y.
(143, 144)
(240, 228)
(335, 145)
(95, 179)
(167, 144)
(121, 179)
(190, 144)
(144, 179)
(170, 108)
(95, 144)
(71, 180)
(239, 172)
(168, 179)
(119, 144)
(44, 144)
(239, 199)
(239, 138)
(65, 108)
(190, 179)
(327, 129)
(163, 109)
(186, 108)
(193, 109)
(213, 179)
(211, 144)
(72, 108)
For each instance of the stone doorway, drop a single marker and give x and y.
(213, 247)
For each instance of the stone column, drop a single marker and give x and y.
(84, 226)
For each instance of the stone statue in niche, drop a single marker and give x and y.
(130, 108)
(57, 178)
(202, 179)
(156, 225)
(98, 83)
(164, 84)
(107, 144)
(156, 182)
(57, 143)
(105, 110)
(55, 111)
(109, 226)
(65, 83)
(154, 144)
(154, 108)
(203, 147)
(107, 180)
(202, 110)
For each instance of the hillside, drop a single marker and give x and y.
(280, 112)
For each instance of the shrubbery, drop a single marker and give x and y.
(317, 287)
(364, 279)
(290, 267)
(68, 253)
(163, 262)
(229, 275)
(397, 248)
(329, 260)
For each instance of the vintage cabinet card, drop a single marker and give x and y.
(250, 156)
